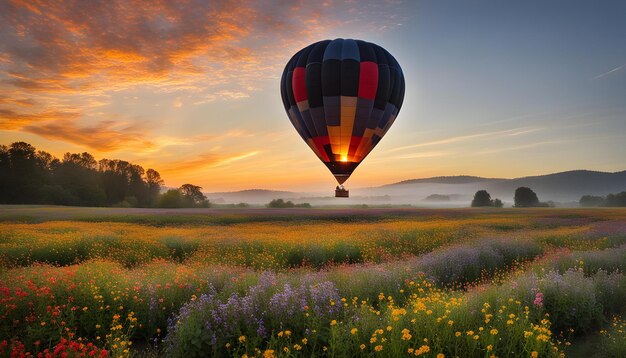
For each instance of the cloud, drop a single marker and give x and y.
(204, 161)
(178, 103)
(104, 136)
(423, 155)
(522, 146)
(12, 120)
(62, 62)
(609, 72)
(495, 134)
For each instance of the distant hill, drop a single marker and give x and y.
(450, 191)
(457, 179)
(563, 186)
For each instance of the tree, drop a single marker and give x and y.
(193, 194)
(154, 182)
(172, 198)
(590, 200)
(482, 198)
(618, 199)
(24, 175)
(498, 203)
(28, 176)
(525, 197)
(280, 203)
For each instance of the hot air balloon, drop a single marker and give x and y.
(342, 96)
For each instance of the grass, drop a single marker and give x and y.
(341, 282)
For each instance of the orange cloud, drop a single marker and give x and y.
(62, 61)
(12, 120)
(105, 136)
(204, 161)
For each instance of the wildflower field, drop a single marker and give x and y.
(312, 282)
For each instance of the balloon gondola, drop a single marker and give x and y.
(342, 96)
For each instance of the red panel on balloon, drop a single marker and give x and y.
(368, 80)
(354, 145)
(298, 83)
(319, 143)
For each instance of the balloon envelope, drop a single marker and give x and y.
(342, 96)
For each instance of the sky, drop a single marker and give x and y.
(191, 88)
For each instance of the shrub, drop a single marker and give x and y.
(573, 300)
(208, 324)
(467, 263)
(613, 341)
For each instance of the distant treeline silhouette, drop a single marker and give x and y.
(280, 203)
(31, 176)
(618, 199)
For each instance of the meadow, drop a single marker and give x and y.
(312, 282)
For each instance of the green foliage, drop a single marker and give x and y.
(187, 196)
(611, 200)
(618, 199)
(482, 198)
(36, 177)
(613, 339)
(193, 196)
(590, 200)
(525, 197)
(280, 203)
(172, 198)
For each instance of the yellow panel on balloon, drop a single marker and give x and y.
(334, 136)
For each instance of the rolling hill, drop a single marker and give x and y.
(565, 187)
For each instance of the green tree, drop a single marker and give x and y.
(28, 176)
(172, 198)
(591, 200)
(280, 203)
(525, 197)
(193, 195)
(79, 179)
(498, 203)
(482, 198)
(24, 174)
(618, 199)
(154, 182)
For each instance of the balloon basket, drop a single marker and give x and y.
(342, 193)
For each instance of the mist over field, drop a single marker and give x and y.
(565, 189)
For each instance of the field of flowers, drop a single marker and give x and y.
(258, 283)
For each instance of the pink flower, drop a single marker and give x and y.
(538, 299)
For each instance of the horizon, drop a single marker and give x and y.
(193, 91)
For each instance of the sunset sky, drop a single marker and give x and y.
(191, 88)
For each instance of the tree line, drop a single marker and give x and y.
(31, 176)
(614, 200)
(524, 197)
